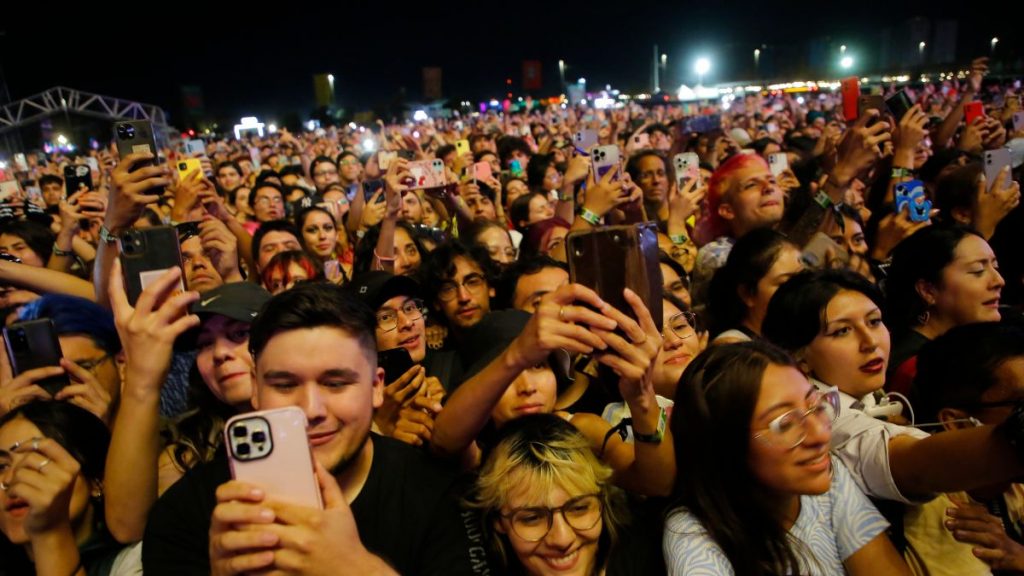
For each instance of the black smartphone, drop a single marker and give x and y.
(898, 104)
(134, 136)
(146, 253)
(867, 102)
(407, 154)
(395, 362)
(370, 187)
(75, 176)
(34, 344)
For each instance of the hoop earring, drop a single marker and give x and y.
(923, 318)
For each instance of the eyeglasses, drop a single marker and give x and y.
(533, 524)
(92, 365)
(387, 320)
(322, 173)
(790, 429)
(472, 283)
(683, 325)
(265, 200)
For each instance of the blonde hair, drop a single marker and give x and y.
(539, 453)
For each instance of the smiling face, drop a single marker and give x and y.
(333, 378)
(224, 361)
(680, 345)
(408, 333)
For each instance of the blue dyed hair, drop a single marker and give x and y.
(76, 316)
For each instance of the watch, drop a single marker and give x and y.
(658, 434)
(107, 236)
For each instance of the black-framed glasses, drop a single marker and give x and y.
(472, 283)
(414, 309)
(683, 325)
(789, 430)
(92, 365)
(533, 524)
(186, 230)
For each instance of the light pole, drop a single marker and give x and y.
(993, 43)
(846, 62)
(561, 72)
(920, 51)
(701, 67)
(757, 59)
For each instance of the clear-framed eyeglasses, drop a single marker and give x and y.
(412, 310)
(789, 430)
(683, 325)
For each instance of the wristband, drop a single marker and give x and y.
(383, 258)
(658, 434)
(902, 173)
(107, 236)
(823, 200)
(590, 217)
(678, 238)
(60, 252)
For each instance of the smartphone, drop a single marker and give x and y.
(370, 187)
(195, 147)
(384, 159)
(687, 166)
(34, 344)
(188, 165)
(461, 147)
(911, 194)
(407, 154)
(850, 90)
(20, 163)
(898, 104)
(815, 253)
(603, 159)
(870, 102)
(772, 128)
(995, 161)
(427, 174)
(332, 269)
(778, 163)
(8, 191)
(973, 111)
(270, 449)
(134, 136)
(611, 258)
(641, 141)
(395, 362)
(75, 176)
(515, 168)
(35, 195)
(146, 253)
(482, 171)
(584, 140)
(1018, 121)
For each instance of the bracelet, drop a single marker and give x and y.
(62, 253)
(902, 172)
(106, 235)
(383, 258)
(590, 217)
(678, 238)
(823, 200)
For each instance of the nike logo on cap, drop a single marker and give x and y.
(206, 302)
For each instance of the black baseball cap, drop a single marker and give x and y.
(377, 287)
(241, 301)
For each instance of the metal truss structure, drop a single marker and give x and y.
(61, 99)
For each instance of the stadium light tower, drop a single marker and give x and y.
(702, 66)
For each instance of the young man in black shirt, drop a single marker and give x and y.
(388, 508)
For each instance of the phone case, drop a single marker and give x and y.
(584, 140)
(641, 141)
(395, 362)
(135, 136)
(461, 147)
(195, 147)
(146, 254)
(870, 102)
(370, 187)
(270, 449)
(778, 163)
(74, 176)
(384, 158)
(188, 165)
(973, 111)
(995, 160)
(603, 159)
(427, 173)
(908, 194)
(611, 258)
(687, 166)
(34, 344)
(850, 88)
(898, 104)
(482, 171)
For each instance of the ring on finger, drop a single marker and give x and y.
(561, 313)
(43, 464)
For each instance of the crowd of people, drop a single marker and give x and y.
(830, 380)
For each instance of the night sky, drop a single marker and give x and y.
(259, 60)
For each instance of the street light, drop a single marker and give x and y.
(994, 42)
(701, 67)
(842, 49)
(561, 71)
(920, 50)
(846, 63)
(664, 60)
(757, 56)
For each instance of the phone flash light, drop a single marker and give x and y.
(369, 145)
(416, 134)
(3, 165)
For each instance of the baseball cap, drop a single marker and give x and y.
(377, 287)
(241, 301)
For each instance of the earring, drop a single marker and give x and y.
(4, 486)
(923, 318)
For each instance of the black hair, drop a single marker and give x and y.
(537, 169)
(291, 170)
(272, 226)
(715, 398)
(658, 128)
(750, 259)
(922, 256)
(321, 160)
(50, 179)
(80, 432)
(956, 369)
(664, 258)
(364, 249)
(958, 189)
(796, 313)
(315, 305)
(196, 436)
(443, 151)
(507, 145)
(439, 267)
(479, 156)
(74, 316)
(36, 235)
(519, 211)
(505, 291)
(261, 185)
(633, 165)
(229, 164)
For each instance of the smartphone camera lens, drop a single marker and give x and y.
(243, 449)
(125, 131)
(239, 431)
(259, 437)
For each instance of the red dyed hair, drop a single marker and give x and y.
(282, 261)
(711, 225)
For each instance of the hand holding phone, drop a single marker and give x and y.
(146, 254)
(973, 111)
(911, 195)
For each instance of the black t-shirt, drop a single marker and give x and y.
(408, 513)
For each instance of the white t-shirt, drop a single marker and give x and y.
(832, 527)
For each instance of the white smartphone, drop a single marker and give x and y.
(687, 166)
(603, 159)
(778, 163)
(584, 140)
